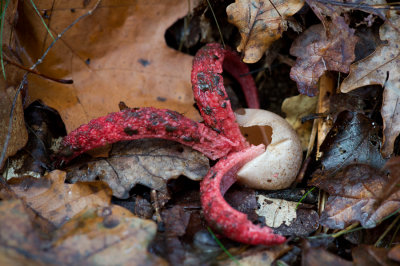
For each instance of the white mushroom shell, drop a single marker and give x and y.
(278, 166)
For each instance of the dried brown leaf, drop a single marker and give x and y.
(118, 53)
(320, 49)
(58, 202)
(319, 256)
(394, 253)
(18, 134)
(382, 68)
(370, 255)
(260, 23)
(357, 192)
(147, 162)
(100, 236)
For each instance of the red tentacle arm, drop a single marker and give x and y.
(219, 214)
(210, 94)
(240, 71)
(139, 123)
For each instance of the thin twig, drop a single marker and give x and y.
(21, 85)
(63, 81)
(216, 22)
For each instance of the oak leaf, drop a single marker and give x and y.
(382, 68)
(100, 236)
(118, 53)
(56, 201)
(320, 49)
(260, 23)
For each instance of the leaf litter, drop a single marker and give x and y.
(349, 174)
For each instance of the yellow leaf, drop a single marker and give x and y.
(260, 23)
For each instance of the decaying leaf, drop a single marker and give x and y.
(10, 77)
(353, 138)
(58, 202)
(358, 192)
(382, 68)
(286, 218)
(147, 162)
(260, 23)
(371, 255)
(45, 127)
(118, 53)
(100, 236)
(18, 134)
(258, 256)
(394, 253)
(319, 256)
(296, 108)
(321, 48)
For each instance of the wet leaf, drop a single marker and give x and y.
(358, 192)
(147, 162)
(370, 255)
(260, 23)
(353, 138)
(118, 53)
(382, 68)
(103, 236)
(58, 202)
(320, 49)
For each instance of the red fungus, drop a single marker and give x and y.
(142, 123)
(219, 214)
(217, 137)
(209, 91)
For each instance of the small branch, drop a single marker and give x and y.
(63, 81)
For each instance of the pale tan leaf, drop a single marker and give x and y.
(382, 68)
(260, 23)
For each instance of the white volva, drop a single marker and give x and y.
(278, 166)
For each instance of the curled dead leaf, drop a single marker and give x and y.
(321, 49)
(147, 162)
(260, 23)
(58, 202)
(358, 192)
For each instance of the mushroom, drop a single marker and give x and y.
(218, 138)
(278, 166)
